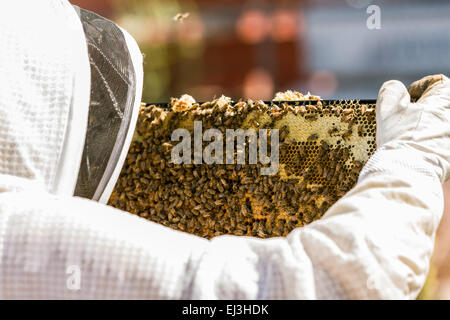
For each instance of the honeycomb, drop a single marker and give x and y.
(323, 146)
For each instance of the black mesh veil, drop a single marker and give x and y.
(112, 97)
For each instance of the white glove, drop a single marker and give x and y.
(422, 126)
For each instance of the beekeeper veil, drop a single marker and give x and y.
(116, 72)
(70, 88)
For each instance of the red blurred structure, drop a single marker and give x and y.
(258, 50)
(103, 7)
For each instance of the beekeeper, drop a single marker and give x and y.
(70, 84)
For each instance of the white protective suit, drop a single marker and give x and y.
(375, 242)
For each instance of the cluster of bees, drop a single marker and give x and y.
(316, 169)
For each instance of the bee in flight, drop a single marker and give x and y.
(181, 16)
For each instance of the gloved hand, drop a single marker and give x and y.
(423, 125)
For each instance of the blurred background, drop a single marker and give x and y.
(255, 48)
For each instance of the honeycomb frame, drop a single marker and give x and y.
(313, 135)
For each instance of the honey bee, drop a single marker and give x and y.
(302, 109)
(347, 134)
(181, 16)
(288, 172)
(289, 108)
(319, 105)
(360, 130)
(347, 111)
(351, 123)
(325, 172)
(311, 107)
(325, 145)
(313, 137)
(333, 130)
(357, 164)
(337, 110)
(260, 232)
(347, 118)
(276, 114)
(284, 132)
(338, 167)
(345, 154)
(311, 117)
(363, 109)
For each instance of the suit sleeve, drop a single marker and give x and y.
(376, 242)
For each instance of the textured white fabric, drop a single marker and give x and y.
(375, 242)
(41, 53)
(118, 255)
